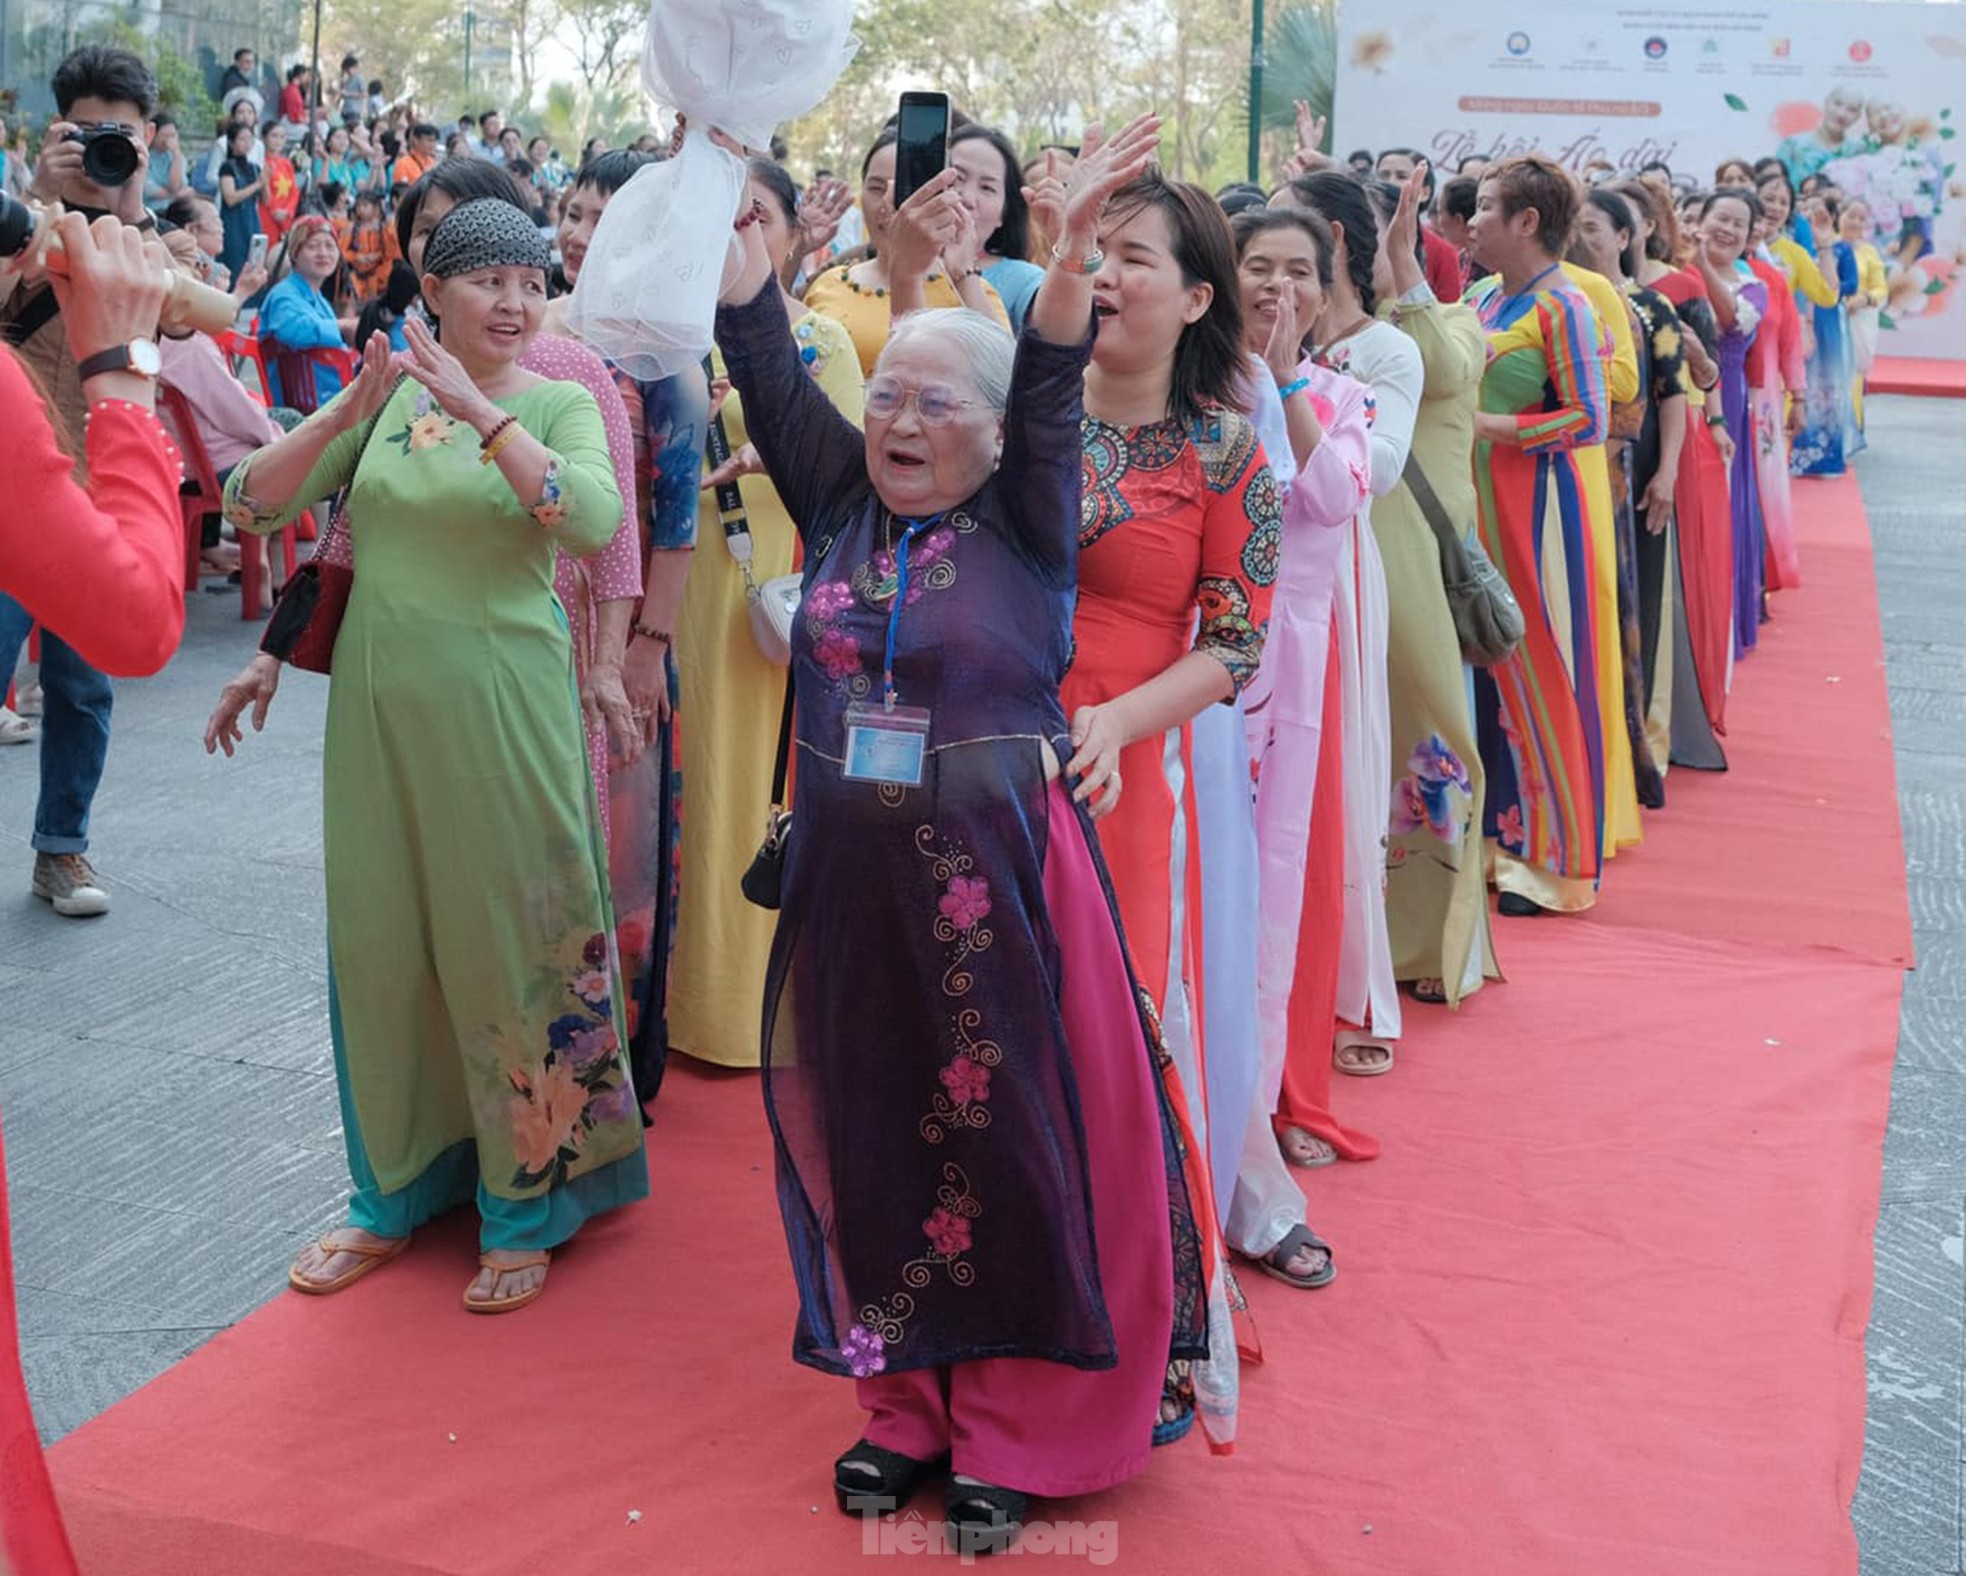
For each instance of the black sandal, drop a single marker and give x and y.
(984, 1519)
(1294, 1241)
(897, 1478)
(1516, 906)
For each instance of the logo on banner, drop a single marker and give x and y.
(1779, 48)
(1655, 48)
(1517, 43)
(1860, 51)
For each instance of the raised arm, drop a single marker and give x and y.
(1336, 477)
(318, 458)
(1042, 455)
(816, 458)
(102, 568)
(1453, 350)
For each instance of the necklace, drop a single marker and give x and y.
(1363, 321)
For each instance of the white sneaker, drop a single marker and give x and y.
(15, 729)
(29, 698)
(69, 882)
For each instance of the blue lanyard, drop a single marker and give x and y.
(900, 598)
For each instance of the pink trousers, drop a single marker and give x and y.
(1040, 1427)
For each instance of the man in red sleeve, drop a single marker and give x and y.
(99, 568)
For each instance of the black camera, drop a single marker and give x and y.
(109, 153)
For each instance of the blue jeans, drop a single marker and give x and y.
(74, 732)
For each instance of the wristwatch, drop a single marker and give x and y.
(139, 356)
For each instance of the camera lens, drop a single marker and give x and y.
(109, 158)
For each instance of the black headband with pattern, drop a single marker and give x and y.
(485, 233)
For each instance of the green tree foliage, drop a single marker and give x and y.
(574, 112)
(1044, 69)
(180, 84)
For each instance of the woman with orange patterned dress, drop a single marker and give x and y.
(1542, 398)
(1177, 555)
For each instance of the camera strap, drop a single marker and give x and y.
(35, 316)
(42, 306)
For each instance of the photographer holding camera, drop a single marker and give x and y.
(93, 160)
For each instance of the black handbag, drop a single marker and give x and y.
(1487, 617)
(764, 882)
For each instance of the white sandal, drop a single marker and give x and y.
(13, 729)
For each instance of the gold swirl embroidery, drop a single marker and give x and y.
(888, 1319)
(948, 1232)
(947, 1113)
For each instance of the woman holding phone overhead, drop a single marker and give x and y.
(983, 1207)
(857, 295)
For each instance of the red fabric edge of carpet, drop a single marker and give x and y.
(1926, 375)
(1600, 1306)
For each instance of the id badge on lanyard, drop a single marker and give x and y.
(887, 742)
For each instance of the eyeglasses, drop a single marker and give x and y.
(935, 403)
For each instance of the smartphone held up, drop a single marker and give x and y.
(921, 142)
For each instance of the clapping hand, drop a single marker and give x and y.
(456, 394)
(820, 214)
(1103, 167)
(369, 392)
(1403, 234)
(1285, 347)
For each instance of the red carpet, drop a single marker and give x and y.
(1600, 1308)
(1918, 375)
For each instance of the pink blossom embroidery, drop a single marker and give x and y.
(948, 1233)
(966, 1080)
(829, 600)
(838, 653)
(1508, 827)
(967, 902)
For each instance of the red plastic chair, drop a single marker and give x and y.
(295, 370)
(209, 498)
(245, 350)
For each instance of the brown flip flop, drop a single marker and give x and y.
(369, 1257)
(534, 1261)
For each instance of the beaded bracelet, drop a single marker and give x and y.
(754, 214)
(659, 636)
(1293, 388)
(497, 438)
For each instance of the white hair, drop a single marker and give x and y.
(982, 342)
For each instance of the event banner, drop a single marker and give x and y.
(1870, 95)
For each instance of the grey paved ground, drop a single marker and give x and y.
(1909, 1505)
(171, 1126)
